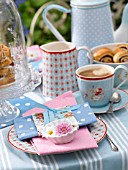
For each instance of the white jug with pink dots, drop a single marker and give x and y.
(60, 61)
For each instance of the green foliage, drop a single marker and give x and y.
(42, 34)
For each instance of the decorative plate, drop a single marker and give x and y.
(117, 106)
(24, 145)
(98, 131)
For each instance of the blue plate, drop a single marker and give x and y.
(117, 106)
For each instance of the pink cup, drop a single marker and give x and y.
(59, 66)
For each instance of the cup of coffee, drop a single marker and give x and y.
(96, 83)
(60, 61)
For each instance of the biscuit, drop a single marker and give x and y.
(4, 50)
(4, 71)
(5, 56)
(7, 79)
(5, 61)
(7, 74)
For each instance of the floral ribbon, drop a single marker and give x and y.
(50, 113)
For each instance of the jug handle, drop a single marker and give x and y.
(49, 24)
(89, 53)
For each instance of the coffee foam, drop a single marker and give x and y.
(100, 72)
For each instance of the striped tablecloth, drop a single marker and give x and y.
(94, 159)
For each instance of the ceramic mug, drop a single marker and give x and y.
(98, 90)
(59, 66)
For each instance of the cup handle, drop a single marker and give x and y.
(49, 24)
(126, 78)
(89, 53)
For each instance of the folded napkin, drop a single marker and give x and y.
(34, 56)
(25, 104)
(84, 115)
(34, 53)
(25, 127)
(37, 65)
(82, 140)
(66, 99)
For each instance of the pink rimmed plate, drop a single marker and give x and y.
(98, 131)
(24, 145)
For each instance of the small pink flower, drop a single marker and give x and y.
(63, 128)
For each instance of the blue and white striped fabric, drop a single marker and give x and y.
(93, 159)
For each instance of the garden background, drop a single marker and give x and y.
(40, 34)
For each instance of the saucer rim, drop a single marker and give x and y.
(115, 108)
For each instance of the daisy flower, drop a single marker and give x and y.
(63, 128)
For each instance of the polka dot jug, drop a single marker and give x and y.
(58, 69)
(60, 62)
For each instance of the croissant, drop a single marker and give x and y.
(104, 55)
(121, 47)
(121, 57)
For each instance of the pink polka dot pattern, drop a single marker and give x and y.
(98, 130)
(59, 73)
(24, 145)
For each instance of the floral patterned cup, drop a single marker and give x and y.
(98, 90)
(59, 66)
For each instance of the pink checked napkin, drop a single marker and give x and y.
(82, 140)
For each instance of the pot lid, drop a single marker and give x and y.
(88, 2)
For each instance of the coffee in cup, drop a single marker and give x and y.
(96, 83)
(95, 72)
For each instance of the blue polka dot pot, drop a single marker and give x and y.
(91, 24)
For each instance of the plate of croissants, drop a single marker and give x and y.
(115, 53)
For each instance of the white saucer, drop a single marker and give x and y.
(117, 106)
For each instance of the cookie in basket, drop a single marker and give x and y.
(7, 74)
(7, 79)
